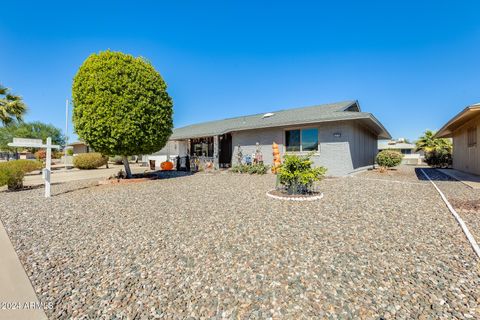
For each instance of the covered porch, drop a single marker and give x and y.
(209, 152)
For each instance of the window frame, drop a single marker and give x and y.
(285, 139)
(316, 151)
(472, 137)
(198, 144)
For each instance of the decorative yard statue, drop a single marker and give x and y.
(258, 158)
(239, 155)
(276, 158)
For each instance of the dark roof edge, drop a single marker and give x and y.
(353, 102)
(386, 134)
(443, 133)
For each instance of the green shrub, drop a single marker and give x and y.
(259, 168)
(121, 105)
(117, 159)
(251, 169)
(57, 154)
(239, 168)
(297, 175)
(12, 172)
(27, 165)
(389, 158)
(89, 160)
(69, 152)
(12, 176)
(440, 158)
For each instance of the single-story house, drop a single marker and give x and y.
(26, 154)
(79, 147)
(171, 150)
(410, 155)
(341, 137)
(463, 129)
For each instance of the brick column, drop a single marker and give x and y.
(215, 153)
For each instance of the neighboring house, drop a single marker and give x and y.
(463, 128)
(79, 147)
(340, 136)
(410, 156)
(169, 152)
(25, 154)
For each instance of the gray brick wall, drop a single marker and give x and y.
(355, 148)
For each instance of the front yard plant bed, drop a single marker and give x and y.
(282, 195)
(142, 177)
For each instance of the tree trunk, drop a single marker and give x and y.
(106, 163)
(127, 167)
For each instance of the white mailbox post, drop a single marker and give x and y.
(38, 143)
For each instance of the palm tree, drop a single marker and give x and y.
(11, 106)
(428, 143)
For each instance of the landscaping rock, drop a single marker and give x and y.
(214, 246)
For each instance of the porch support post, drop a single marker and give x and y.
(215, 153)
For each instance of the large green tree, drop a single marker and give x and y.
(121, 106)
(428, 143)
(12, 106)
(32, 130)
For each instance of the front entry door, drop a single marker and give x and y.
(225, 152)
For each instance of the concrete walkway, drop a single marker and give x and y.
(470, 180)
(17, 296)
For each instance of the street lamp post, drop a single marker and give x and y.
(66, 133)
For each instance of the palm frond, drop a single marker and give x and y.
(12, 107)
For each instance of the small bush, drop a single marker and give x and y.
(439, 158)
(389, 158)
(57, 154)
(41, 154)
(69, 152)
(297, 175)
(12, 172)
(259, 168)
(251, 169)
(27, 165)
(88, 161)
(117, 159)
(239, 168)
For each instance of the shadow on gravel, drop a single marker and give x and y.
(420, 175)
(27, 188)
(73, 190)
(433, 173)
(171, 174)
(152, 175)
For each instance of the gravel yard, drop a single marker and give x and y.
(463, 198)
(402, 174)
(213, 245)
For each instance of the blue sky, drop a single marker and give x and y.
(413, 64)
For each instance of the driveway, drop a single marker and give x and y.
(213, 245)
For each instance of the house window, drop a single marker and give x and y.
(202, 147)
(292, 140)
(472, 137)
(301, 140)
(310, 140)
